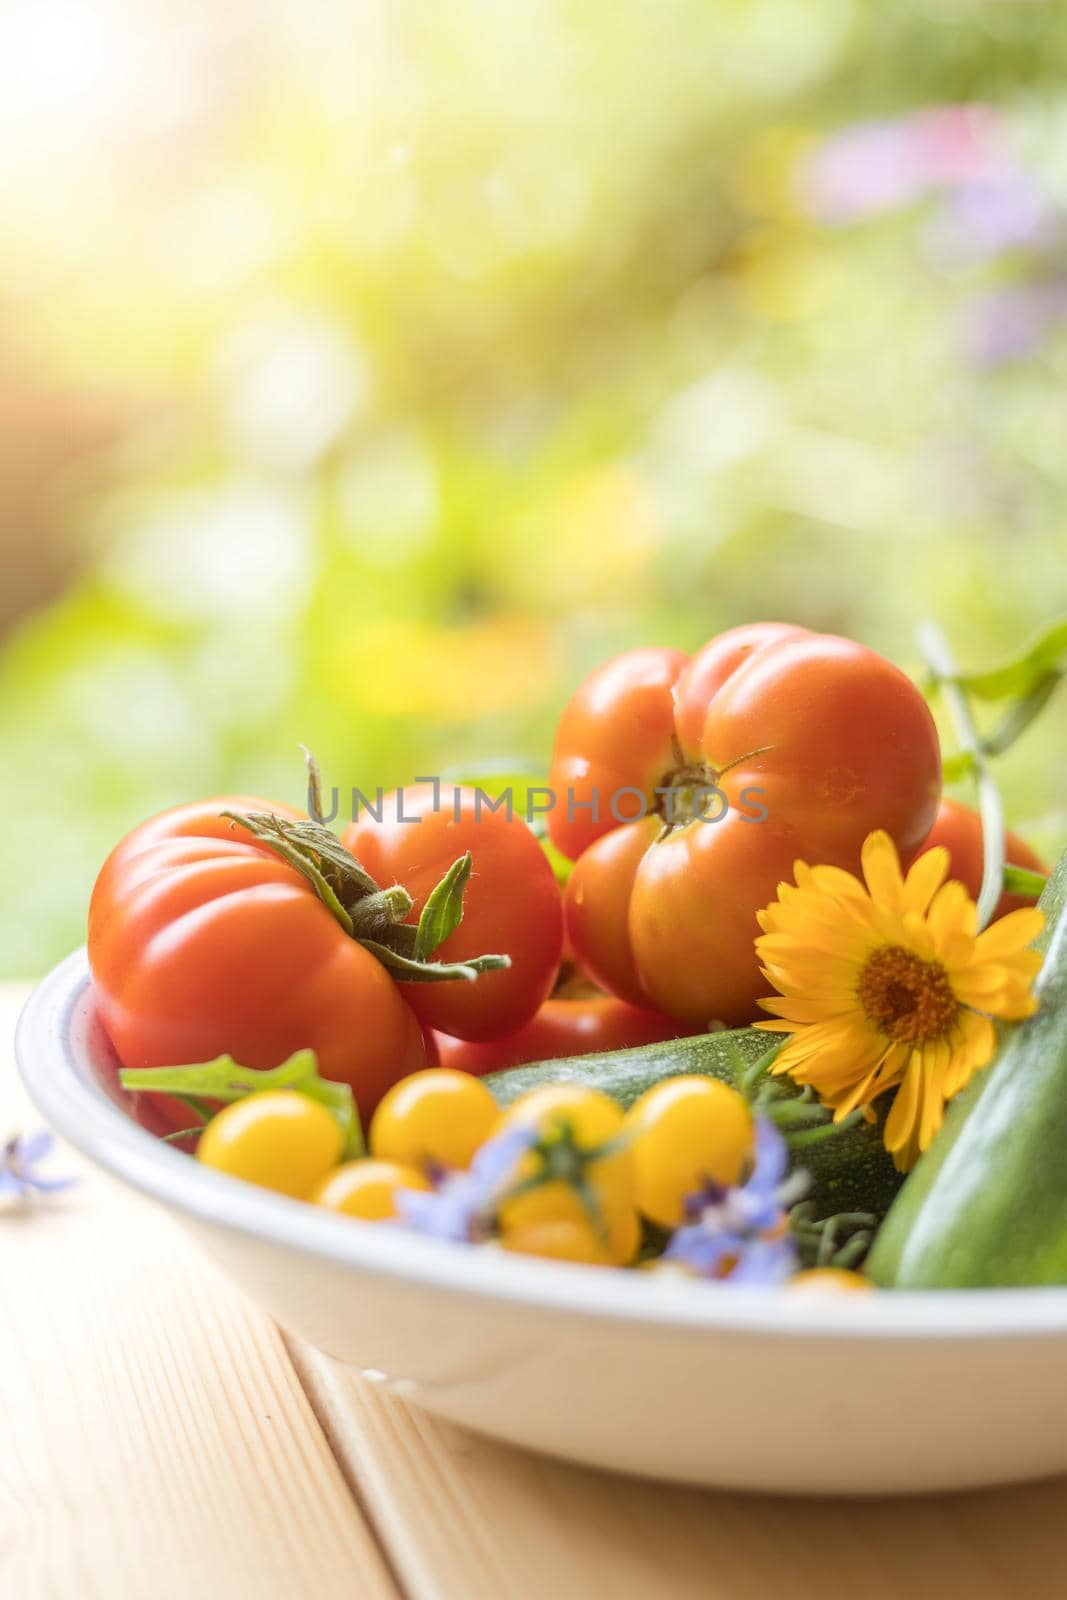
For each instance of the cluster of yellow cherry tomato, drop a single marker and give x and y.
(588, 1176)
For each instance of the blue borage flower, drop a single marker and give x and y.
(461, 1206)
(19, 1160)
(739, 1234)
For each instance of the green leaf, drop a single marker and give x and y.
(938, 656)
(338, 879)
(279, 835)
(373, 916)
(443, 911)
(1021, 713)
(406, 969)
(957, 766)
(1021, 880)
(224, 1080)
(1019, 675)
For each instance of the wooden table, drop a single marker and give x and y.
(161, 1439)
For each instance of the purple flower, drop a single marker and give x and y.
(19, 1159)
(462, 1204)
(865, 171)
(1009, 324)
(738, 1233)
(873, 168)
(765, 1263)
(979, 221)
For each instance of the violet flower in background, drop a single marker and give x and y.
(1009, 324)
(462, 1204)
(20, 1159)
(740, 1234)
(982, 220)
(874, 168)
(987, 208)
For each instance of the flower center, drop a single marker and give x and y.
(908, 999)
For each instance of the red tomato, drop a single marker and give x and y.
(811, 742)
(561, 1028)
(959, 829)
(597, 906)
(203, 942)
(512, 905)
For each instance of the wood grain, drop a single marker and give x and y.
(155, 1442)
(468, 1519)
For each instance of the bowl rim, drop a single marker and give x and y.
(57, 1073)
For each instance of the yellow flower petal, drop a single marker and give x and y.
(885, 987)
(881, 870)
(1010, 935)
(903, 1117)
(925, 877)
(951, 914)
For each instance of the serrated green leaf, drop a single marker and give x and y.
(225, 1080)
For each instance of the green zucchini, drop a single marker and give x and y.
(987, 1204)
(850, 1170)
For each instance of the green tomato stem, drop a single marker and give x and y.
(938, 657)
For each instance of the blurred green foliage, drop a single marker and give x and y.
(459, 345)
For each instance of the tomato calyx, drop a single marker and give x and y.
(561, 1159)
(686, 793)
(375, 917)
(689, 790)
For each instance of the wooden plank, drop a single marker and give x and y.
(467, 1519)
(154, 1438)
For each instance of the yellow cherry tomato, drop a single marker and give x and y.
(686, 1132)
(367, 1189)
(576, 1239)
(593, 1117)
(828, 1280)
(587, 1194)
(438, 1117)
(278, 1139)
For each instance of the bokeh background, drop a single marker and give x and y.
(369, 370)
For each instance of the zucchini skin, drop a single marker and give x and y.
(849, 1172)
(986, 1207)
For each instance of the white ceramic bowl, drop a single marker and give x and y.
(750, 1389)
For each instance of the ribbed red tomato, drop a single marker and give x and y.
(204, 942)
(686, 788)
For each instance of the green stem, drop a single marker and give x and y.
(829, 1130)
(938, 657)
(750, 1073)
(1022, 713)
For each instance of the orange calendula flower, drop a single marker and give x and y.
(887, 985)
